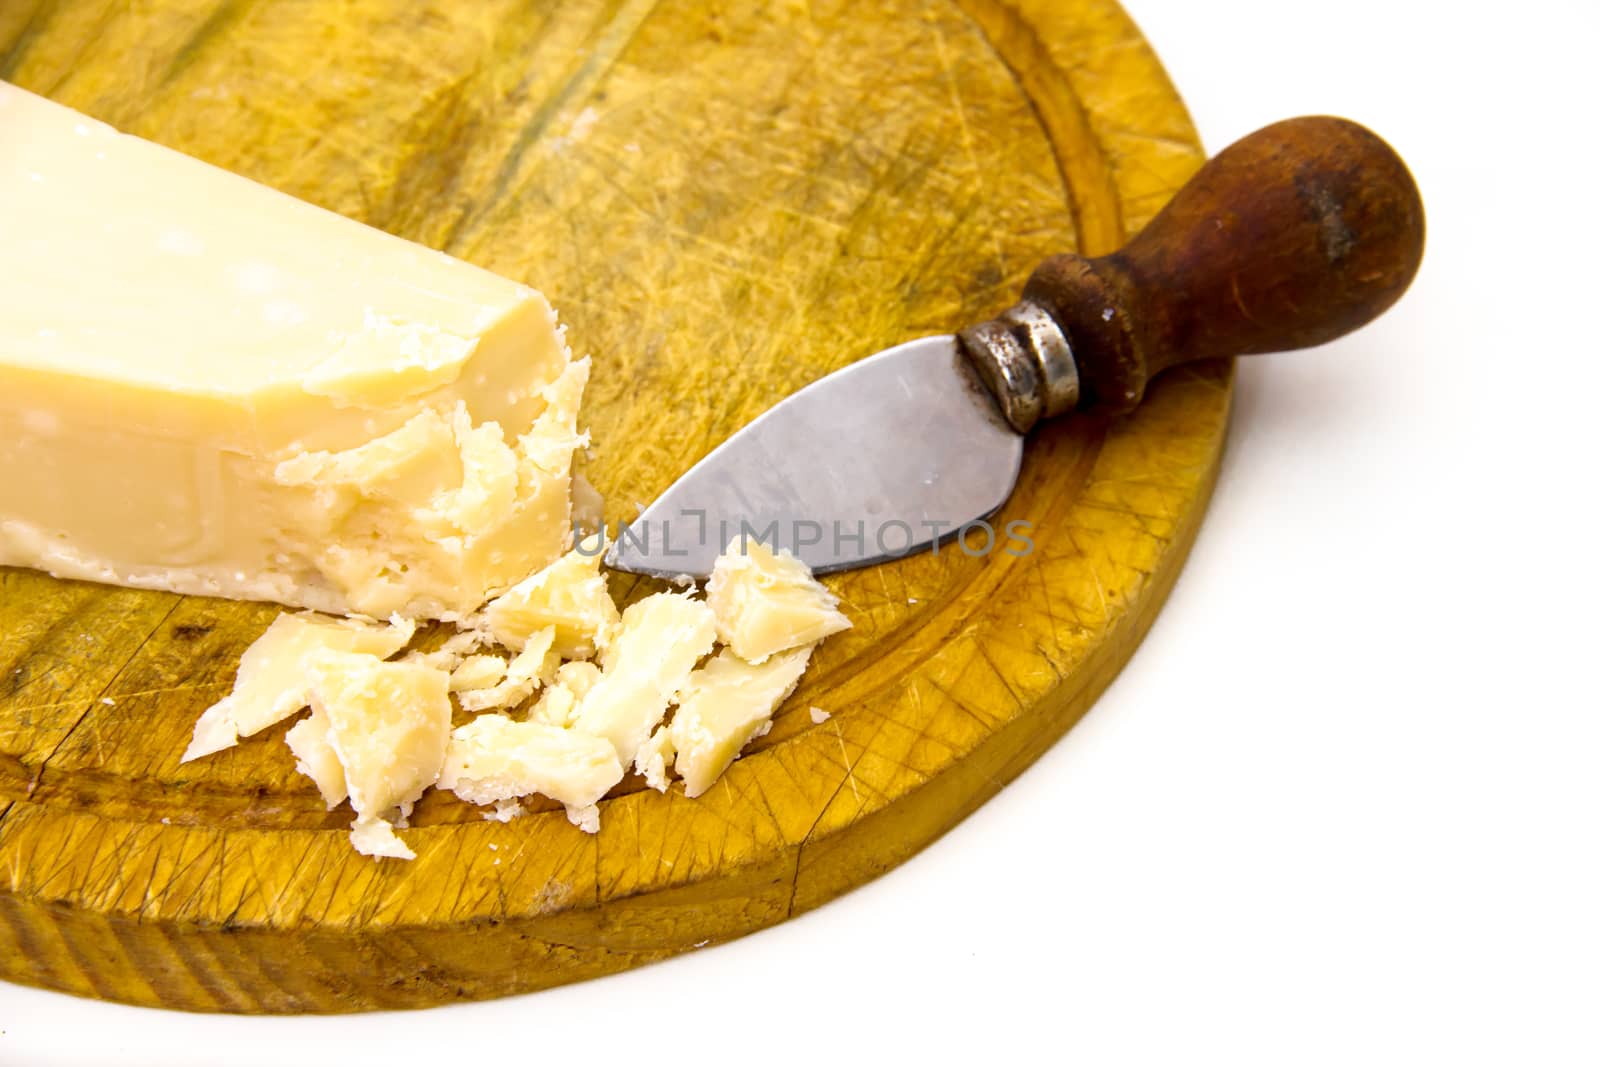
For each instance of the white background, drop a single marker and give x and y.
(1344, 804)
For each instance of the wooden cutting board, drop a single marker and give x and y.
(725, 200)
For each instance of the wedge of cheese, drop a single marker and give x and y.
(209, 387)
(724, 706)
(767, 603)
(388, 724)
(656, 645)
(273, 682)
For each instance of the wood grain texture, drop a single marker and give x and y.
(775, 187)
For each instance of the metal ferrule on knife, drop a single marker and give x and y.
(1025, 359)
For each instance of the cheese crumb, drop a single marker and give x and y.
(557, 706)
(586, 819)
(654, 757)
(578, 676)
(819, 716)
(451, 654)
(523, 677)
(505, 811)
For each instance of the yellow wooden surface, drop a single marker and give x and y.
(725, 200)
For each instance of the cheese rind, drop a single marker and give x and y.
(723, 707)
(767, 603)
(650, 655)
(272, 683)
(191, 338)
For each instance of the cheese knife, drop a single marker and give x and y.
(1298, 234)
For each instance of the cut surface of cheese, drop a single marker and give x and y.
(494, 758)
(389, 725)
(655, 646)
(767, 603)
(209, 387)
(315, 758)
(723, 707)
(272, 683)
(570, 595)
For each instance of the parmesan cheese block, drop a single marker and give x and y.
(209, 387)
(389, 725)
(655, 646)
(723, 707)
(766, 603)
(570, 595)
(272, 683)
(494, 758)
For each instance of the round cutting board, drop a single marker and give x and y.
(725, 201)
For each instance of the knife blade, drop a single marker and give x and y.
(838, 482)
(1295, 235)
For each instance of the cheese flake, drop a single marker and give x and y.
(523, 676)
(723, 707)
(272, 684)
(569, 595)
(767, 603)
(654, 648)
(494, 758)
(389, 725)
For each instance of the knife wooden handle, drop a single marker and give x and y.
(1295, 235)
